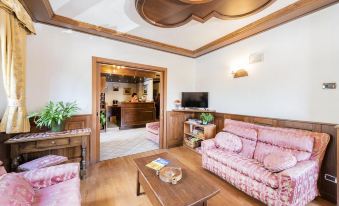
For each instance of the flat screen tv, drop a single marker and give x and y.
(194, 99)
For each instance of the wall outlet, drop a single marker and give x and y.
(329, 85)
(256, 58)
(330, 178)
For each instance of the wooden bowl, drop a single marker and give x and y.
(170, 174)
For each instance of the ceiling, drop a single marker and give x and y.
(121, 15)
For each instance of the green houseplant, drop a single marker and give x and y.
(206, 118)
(54, 114)
(102, 120)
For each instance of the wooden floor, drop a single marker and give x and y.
(113, 182)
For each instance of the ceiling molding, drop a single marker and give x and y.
(41, 11)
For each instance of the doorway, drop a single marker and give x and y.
(122, 118)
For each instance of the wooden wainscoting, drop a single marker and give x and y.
(328, 190)
(76, 122)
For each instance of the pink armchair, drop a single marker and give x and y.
(56, 185)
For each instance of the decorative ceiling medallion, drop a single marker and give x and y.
(174, 13)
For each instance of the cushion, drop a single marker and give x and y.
(46, 161)
(64, 193)
(228, 142)
(245, 166)
(279, 161)
(15, 190)
(244, 132)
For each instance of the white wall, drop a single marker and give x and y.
(299, 57)
(59, 66)
(118, 95)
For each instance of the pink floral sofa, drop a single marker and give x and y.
(243, 163)
(153, 131)
(56, 185)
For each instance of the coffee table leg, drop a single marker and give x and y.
(138, 184)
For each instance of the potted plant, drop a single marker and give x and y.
(54, 115)
(206, 118)
(102, 120)
(177, 103)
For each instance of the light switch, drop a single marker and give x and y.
(329, 85)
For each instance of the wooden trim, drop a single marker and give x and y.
(96, 69)
(41, 11)
(287, 14)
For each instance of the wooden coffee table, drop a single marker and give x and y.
(191, 190)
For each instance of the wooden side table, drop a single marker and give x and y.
(38, 142)
(207, 132)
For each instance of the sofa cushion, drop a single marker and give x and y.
(246, 166)
(46, 161)
(244, 132)
(15, 190)
(64, 193)
(279, 161)
(272, 140)
(228, 141)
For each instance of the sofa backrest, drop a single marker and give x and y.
(247, 135)
(305, 144)
(273, 140)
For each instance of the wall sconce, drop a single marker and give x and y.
(240, 73)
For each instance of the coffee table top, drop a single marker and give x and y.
(191, 189)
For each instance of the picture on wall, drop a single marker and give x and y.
(145, 89)
(127, 91)
(115, 88)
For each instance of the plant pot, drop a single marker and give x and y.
(204, 123)
(57, 127)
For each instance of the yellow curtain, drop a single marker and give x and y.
(13, 33)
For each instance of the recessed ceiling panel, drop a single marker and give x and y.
(122, 16)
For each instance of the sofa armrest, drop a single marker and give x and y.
(45, 177)
(207, 145)
(300, 179)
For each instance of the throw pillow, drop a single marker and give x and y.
(15, 190)
(228, 142)
(279, 161)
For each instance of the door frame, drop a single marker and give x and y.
(95, 137)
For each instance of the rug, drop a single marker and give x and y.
(118, 143)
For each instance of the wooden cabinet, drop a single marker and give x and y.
(175, 127)
(137, 114)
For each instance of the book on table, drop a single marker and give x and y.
(157, 164)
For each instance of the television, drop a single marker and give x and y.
(194, 99)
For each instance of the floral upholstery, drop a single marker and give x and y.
(46, 161)
(279, 161)
(153, 127)
(64, 193)
(246, 166)
(49, 176)
(15, 190)
(228, 141)
(294, 186)
(153, 131)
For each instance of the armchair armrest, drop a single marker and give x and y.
(2, 169)
(45, 177)
(300, 179)
(207, 145)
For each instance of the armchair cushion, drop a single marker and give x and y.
(45, 177)
(228, 141)
(279, 161)
(15, 190)
(46, 161)
(64, 193)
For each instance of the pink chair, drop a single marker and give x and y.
(153, 131)
(56, 185)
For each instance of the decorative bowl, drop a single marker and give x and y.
(170, 174)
